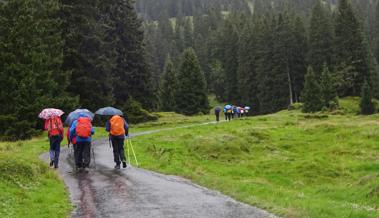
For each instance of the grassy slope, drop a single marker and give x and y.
(289, 163)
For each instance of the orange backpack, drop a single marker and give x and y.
(83, 127)
(117, 126)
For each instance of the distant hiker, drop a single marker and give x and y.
(228, 112)
(247, 108)
(235, 112)
(242, 111)
(239, 112)
(82, 130)
(118, 129)
(217, 113)
(55, 132)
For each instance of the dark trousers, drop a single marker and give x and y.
(217, 116)
(228, 116)
(55, 149)
(118, 150)
(83, 157)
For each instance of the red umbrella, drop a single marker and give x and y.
(50, 112)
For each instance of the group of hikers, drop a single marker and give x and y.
(80, 133)
(232, 112)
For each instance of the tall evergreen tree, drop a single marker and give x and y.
(218, 78)
(168, 87)
(84, 53)
(131, 71)
(191, 94)
(30, 60)
(247, 73)
(273, 92)
(367, 105)
(311, 96)
(321, 38)
(329, 93)
(351, 49)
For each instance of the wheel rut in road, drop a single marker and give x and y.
(136, 193)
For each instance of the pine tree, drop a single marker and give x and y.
(311, 96)
(329, 93)
(191, 94)
(84, 54)
(218, 77)
(321, 38)
(131, 71)
(298, 63)
(30, 60)
(351, 49)
(247, 73)
(367, 105)
(168, 87)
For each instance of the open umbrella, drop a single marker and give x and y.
(228, 106)
(76, 114)
(109, 111)
(247, 108)
(50, 112)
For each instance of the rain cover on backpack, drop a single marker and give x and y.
(117, 126)
(83, 127)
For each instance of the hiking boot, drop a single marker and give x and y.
(124, 164)
(51, 163)
(117, 166)
(56, 167)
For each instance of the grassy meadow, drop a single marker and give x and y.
(289, 163)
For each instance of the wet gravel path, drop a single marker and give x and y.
(136, 193)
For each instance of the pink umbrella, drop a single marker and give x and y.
(50, 112)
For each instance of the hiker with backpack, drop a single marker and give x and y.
(118, 129)
(55, 132)
(82, 130)
(228, 112)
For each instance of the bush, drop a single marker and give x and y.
(136, 114)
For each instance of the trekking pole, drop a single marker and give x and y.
(93, 155)
(127, 147)
(135, 157)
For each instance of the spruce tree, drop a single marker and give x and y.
(131, 71)
(168, 87)
(191, 94)
(321, 38)
(367, 105)
(350, 47)
(85, 53)
(218, 77)
(30, 60)
(312, 95)
(329, 93)
(247, 73)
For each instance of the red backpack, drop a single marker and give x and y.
(54, 126)
(83, 127)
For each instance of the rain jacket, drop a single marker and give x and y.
(79, 139)
(108, 129)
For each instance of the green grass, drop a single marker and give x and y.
(28, 187)
(289, 163)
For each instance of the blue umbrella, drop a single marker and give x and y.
(109, 111)
(76, 114)
(228, 106)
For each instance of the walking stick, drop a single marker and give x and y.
(135, 157)
(127, 147)
(93, 155)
